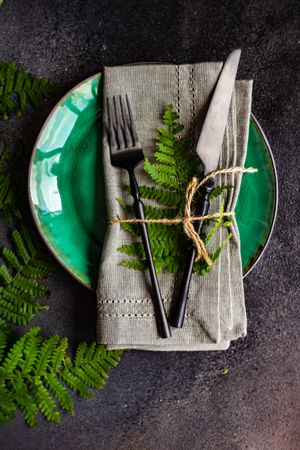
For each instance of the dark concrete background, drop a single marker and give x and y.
(178, 400)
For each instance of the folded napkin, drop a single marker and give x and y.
(215, 312)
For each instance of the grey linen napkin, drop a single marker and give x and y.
(216, 309)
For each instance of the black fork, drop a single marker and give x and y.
(126, 152)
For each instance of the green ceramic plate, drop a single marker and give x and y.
(66, 188)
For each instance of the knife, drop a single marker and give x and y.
(208, 149)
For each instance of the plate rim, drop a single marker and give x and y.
(33, 214)
(268, 146)
(39, 228)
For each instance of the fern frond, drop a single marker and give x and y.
(24, 266)
(31, 368)
(173, 169)
(35, 375)
(18, 89)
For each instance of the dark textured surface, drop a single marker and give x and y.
(178, 400)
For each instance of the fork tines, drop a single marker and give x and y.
(122, 130)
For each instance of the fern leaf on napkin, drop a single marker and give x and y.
(172, 169)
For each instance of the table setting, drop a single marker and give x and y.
(149, 218)
(135, 311)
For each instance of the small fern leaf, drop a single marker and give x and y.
(90, 352)
(127, 208)
(80, 354)
(24, 232)
(112, 356)
(45, 402)
(43, 264)
(165, 149)
(164, 159)
(130, 228)
(3, 342)
(151, 212)
(7, 406)
(14, 356)
(23, 399)
(218, 223)
(30, 351)
(134, 264)
(5, 275)
(171, 264)
(218, 190)
(162, 196)
(59, 393)
(45, 355)
(58, 356)
(30, 286)
(20, 246)
(23, 301)
(161, 176)
(89, 377)
(13, 314)
(135, 249)
(217, 253)
(10, 258)
(75, 383)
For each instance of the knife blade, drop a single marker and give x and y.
(212, 133)
(208, 149)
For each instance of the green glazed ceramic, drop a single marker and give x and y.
(66, 188)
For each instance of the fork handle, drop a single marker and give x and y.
(202, 208)
(161, 316)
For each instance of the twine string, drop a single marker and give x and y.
(187, 220)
